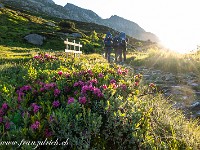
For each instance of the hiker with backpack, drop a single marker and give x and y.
(116, 47)
(123, 46)
(108, 43)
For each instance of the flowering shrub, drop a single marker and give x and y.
(44, 57)
(93, 106)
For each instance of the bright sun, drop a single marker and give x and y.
(180, 46)
(179, 40)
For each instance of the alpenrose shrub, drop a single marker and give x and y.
(83, 103)
(91, 106)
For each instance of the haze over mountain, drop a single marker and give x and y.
(70, 11)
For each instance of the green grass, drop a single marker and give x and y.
(170, 124)
(166, 60)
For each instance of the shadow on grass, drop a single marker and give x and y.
(4, 61)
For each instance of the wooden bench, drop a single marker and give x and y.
(73, 50)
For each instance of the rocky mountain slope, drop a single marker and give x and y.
(70, 11)
(131, 28)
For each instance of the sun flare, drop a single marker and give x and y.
(180, 43)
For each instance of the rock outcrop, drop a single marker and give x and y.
(35, 39)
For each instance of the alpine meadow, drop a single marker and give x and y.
(146, 97)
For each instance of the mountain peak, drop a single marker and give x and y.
(50, 1)
(82, 14)
(71, 11)
(71, 5)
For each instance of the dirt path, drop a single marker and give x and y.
(183, 89)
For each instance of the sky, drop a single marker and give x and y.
(175, 22)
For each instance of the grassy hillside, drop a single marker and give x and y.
(16, 24)
(167, 61)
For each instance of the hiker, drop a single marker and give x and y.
(123, 46)
(116, 46)
(108, 43)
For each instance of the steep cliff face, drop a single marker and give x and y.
(121, 24)
(70, 11)
(81, 14)
(47, 7)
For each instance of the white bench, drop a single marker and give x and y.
(73, 44)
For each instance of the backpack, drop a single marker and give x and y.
(123, 39)
(108, 41)
(116, 41)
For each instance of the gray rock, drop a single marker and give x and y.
(51, 24)
(1, 6)
(76, 35)
(197, 94)
(179, 105)
(195, 105)
(169, 77)
(196, 115)
(193, 84)
(35, 39)
(146, 76)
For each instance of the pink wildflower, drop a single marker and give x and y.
(97, 92)
(4, 106)
(104, 86)
(89, 72)
(152, 85)
(48, 133)
(42, 89)
(125, 71)
(46, 55)
(82, 100)
(35, 125)
(56, 92)
(94, 81)
(70, 100)
(56, 104)
(119, 71)
(100, 75)
(112, 81)
(76, 84)
(60, 73)
(114, 85)
(36, 56)
(25, 88)
(123, 86)
(136, 84)
(7, 125)
(20, 95)
(35, 107)
(84, 89)
(1, 112)
(67, 75)
(49, 86)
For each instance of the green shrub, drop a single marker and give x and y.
(67, 24)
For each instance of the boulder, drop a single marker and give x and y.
(1, 6)
(195, 106)
(76, 35)
(35, 39)
(50, 24)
